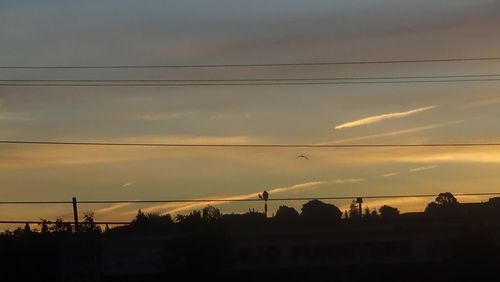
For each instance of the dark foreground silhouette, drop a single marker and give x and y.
(448, 242)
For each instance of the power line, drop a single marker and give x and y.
(277, 83)
(208, 201)
(34, 202)
(250, 79)
(286, 199)
(244, 200)
(331, 63)
(63, 143)
(67, 222)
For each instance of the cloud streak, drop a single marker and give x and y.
(296, 187)
(482, 101)
(107, 210)
(41, 157)
(173, 208)
(379, 118)
(6, 115)
(417, 169)
(162, 116)
(393, 133)
(389, 174)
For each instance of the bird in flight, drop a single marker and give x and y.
(302, 156)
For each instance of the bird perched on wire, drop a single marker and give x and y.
(302, 156)
(264, 196)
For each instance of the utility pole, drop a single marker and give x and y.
(265, 197)
(359, 201)
(75, 214)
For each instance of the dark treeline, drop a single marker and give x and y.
(314, 213)
(205, 241)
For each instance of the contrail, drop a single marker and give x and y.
(392, 133)
(178, 207)
(183, 206)
(300, 186)
(379, 118)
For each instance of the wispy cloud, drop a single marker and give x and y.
(379, 118)
(389, 174)
(415, 156)
(393, 133)
(482, 101)
(296, 187)
(105, 211)
(159, 116)
(229, 116)
(191, 139)
(417, 169)
(125, 185)
(37, 156)
(7, 115)
(173, 208)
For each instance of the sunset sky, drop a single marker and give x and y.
(61, 33)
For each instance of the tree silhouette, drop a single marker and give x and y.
(319, 212)
(446, 199)
(286, 214)
(432, 208)
(44, 226)
(445, 205)
(18, 232)
(27, 229)
(204, 245)
(211, 214)
(388, 212)
(367, 212)
(249, 220)
(354, 210)
(139, 219)
(59, 226)
(88, 225)
(194, 217)
(151, 223)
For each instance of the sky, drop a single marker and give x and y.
(36, 33)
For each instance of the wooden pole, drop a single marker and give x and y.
(75, 214)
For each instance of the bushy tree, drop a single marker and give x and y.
(151, 222)
(18, 232)
(446, 199)
(211, 214)
(59, 226)
(44, 226)
(445, 205)
(27, 229)
(317, 211)
(192, 217)
(88, 225)
(286, 214)
(139, 219)
(354, 210)
(388, 212)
